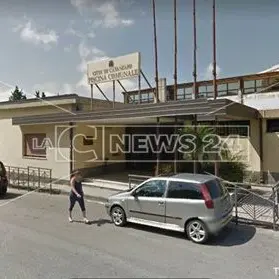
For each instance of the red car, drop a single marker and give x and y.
(3, 180)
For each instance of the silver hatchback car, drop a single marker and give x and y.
(196, 204)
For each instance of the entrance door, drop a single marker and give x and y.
(149, 202)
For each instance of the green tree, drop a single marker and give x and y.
(231, 166)
(40, 95)
(17, 95)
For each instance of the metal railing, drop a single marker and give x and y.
(256, 204)
(30, 178)
(135, 179)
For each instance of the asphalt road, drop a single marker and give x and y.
(37, 241)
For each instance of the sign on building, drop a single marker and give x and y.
(122, 67)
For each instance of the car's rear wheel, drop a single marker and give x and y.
(118, 216)
(197, 231)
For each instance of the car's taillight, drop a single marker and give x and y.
(206, 196)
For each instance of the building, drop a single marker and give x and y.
(37, 145)
(64, 129)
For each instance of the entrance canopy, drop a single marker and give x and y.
(204, 109)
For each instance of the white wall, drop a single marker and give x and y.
(11, 144)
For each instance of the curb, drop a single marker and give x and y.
(55, 191)
(107, 188)
(86, 197)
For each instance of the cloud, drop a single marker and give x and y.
(31, 34)
(68, 48)
(208, 72)
(4, 94)
(5, 91)
(87, 54)
(111, 17)
(103, 13)
(71, 30)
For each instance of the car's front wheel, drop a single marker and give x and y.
(197, 231)
(118, 216)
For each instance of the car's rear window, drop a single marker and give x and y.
(215, 188)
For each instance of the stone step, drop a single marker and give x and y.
(107, 184)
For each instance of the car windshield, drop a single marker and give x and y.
(215, 188)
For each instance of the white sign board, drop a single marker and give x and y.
(122, 67)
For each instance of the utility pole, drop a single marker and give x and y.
(195, 170)
(157, 85)
(155, 51)
(175, 77)
(175, 49)
(216, 163)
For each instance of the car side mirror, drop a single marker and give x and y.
(134, 194)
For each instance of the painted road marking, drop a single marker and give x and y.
(18, 198)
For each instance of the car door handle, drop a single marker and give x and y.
(161, 203)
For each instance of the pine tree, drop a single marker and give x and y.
(17, 95)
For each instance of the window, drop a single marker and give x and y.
(153, 188)
(226, 128)
(181, 93)
(249, 86)
(88, 140)
(272, 125)
(222, 88)
(34, 145)
(2, 170)
(233, 86)
(183, 190)
(215, 188)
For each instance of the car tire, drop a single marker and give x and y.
(118, 216)
(197, 231)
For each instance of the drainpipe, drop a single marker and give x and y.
(241, 91)
(71, 136)
(261, 148)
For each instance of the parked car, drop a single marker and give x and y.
(3, 180)
(198, 205)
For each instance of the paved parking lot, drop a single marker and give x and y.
(38, 242)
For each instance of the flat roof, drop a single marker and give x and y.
(248, 77)
(50, 101)
(49, 98)
(203, 108)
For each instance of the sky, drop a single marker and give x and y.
(46, 45)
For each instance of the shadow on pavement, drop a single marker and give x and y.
(233, 235)
(99, 222)
(10, 196)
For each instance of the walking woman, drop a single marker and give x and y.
(76, 195)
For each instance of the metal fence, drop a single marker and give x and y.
(255, 204)
(134, 179)
(30, 178)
